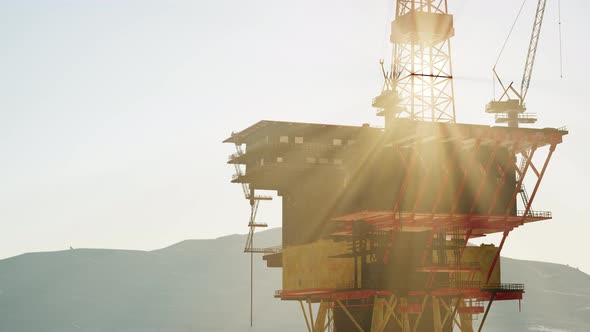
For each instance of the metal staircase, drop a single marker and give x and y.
(250, 195)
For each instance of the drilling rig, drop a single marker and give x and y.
(376, 221)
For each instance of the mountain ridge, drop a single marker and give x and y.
(203, 285)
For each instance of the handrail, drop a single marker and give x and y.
(269, 250)
(236, 155)
(503, 287)
(237, 175)
(454, 265)
(520, 116)
(458, 284)
(536, 214)
(260, 197)
(497, 287)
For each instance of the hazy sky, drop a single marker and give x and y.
(112, 113)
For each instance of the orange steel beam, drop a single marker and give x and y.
(409, 167)
(489, 223)
(465, 292)
(428, 245)
(520, 181)
(429, 280)
(466, 170)
(495, 261)
(446, 178)
(467, 236)
(425, 179)
(532, 165)
(485, 177)
(390, 243)
(528, 208)
(483, 320)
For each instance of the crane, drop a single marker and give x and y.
(510, 107)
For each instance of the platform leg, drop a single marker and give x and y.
(466, 323)
(436, 317)
(377, 321)
(320, 323)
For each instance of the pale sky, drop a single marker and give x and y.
(112, 113)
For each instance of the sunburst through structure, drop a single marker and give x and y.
(376, 221)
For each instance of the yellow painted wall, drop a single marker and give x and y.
(484, 255)
(310, 266)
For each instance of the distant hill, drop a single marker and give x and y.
(203, 285)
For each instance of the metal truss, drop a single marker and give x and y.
(324, 318)
(425, 81)
(404, 312)
(429, 6)
(423, 72)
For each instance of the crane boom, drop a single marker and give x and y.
(532, 53)
(511, 108)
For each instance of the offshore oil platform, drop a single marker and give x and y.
(376, 221)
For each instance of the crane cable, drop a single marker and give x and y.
(510, 33)
(503, 48)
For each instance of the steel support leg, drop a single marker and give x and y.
(485, 315)
(405, 316)
(391, 313)
(466, 170)
(378, 315)
(419, 318)
(320, 323)
(496, 257)
(540, 177)
(521, 180)
(356, 324)
(436, 317)
(309, 327)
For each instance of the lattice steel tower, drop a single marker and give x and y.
(419, 84)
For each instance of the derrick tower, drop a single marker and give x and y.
(419, 83)
(376, 222)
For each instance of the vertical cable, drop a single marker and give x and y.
(251, 287)
(504, 47)
(493, 87)
(560, 42)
